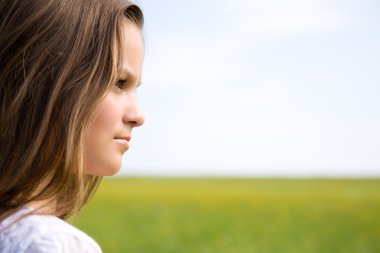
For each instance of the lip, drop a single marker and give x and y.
(123, 141)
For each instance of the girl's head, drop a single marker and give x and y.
(68, 74)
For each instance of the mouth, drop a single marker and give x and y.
(123, 141)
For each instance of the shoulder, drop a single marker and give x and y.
(43, 233)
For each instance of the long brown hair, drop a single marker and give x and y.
(57, 60)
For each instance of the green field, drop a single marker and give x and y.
(234, 215)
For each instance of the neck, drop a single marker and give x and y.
(48, 206)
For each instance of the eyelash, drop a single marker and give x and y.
(120, 83)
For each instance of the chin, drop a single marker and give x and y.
(103, 171)
(111, 172)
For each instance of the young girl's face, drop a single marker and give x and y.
(109, 132)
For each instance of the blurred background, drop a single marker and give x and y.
(259, 88)
(261, 133)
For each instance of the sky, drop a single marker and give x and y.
(282, 88)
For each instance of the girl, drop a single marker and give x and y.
(69, 70)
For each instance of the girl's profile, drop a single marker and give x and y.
(69, 71)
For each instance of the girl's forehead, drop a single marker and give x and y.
(131, 50)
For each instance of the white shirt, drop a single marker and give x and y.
(43, 234)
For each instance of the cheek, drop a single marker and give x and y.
(99, 153)
(102, 125)
(107, 115)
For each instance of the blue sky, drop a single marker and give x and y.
(259, 88)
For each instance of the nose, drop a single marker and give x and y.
(133, 115)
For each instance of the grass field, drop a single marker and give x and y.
(234, 215)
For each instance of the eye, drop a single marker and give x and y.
(120, 83)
